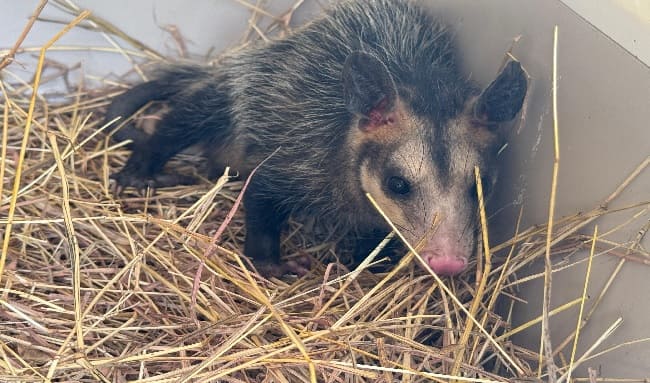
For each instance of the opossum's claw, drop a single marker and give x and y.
(125, 179)
(144, 185)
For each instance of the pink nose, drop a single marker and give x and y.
(444, 264)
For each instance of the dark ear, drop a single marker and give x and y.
(503, 98)
(369, 89)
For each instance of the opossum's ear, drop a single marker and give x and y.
(503, 98)
(369, 89)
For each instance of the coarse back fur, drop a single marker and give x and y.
(306, 116)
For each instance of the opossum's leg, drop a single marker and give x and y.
(364, 245)
(263, 228)
(367, 243)
(144, 166)
(201, 116)
(127, 103)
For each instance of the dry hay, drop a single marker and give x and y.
(152, 288)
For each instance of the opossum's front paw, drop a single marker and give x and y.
(125, 179)
(298, 265)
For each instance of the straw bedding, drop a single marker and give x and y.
(153, 288)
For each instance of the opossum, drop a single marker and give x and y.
(367, 98)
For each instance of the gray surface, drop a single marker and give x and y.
(604, 98)
(625, 21)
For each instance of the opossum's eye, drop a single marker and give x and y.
(398, 185)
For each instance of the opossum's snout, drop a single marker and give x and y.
(445, 262)
(448, 248)
(444, 255)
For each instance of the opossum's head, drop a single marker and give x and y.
(417, 158)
